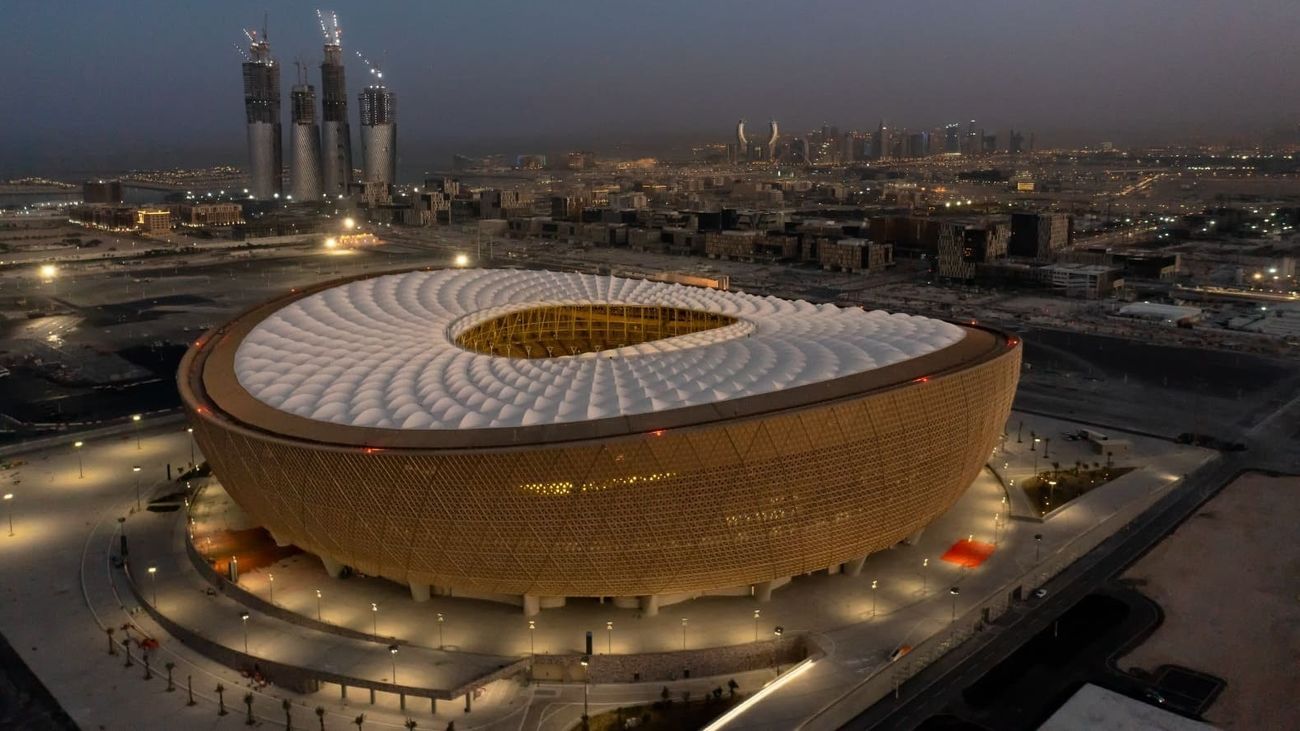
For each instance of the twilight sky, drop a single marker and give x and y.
(152, 82)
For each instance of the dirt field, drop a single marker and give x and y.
(1229, 582)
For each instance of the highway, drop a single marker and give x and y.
(1271, 447)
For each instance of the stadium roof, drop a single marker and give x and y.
(381, 352)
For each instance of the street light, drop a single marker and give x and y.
(532, 644)
(776, 647)
(243, 618)
(49, 271)
(683, 633)
(461, 260)
(374, 616)
(954, 591)
(136, 470)
(441, 619)
(392, 650)
(873, 598)
(318, 605)
(1038, 545)
(349, 223)
(997, 527)
(609, 638)
(190, 431)
(925, 576)
(135, 419)
(81, 472)
(270, 585)
(153, 581)
(756, 625)
(10, 496)
(586, 688)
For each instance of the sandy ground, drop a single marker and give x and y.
(1229, 582)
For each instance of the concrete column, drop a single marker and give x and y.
(650, 605)
(832, 569)
(419, 592)
(915, 538)
(332, 567)
(763, 591)
(468, 694)
(372, 696)
(532, 605)
(343, 692)
(854, 566)
(401, 701)
(433, 706)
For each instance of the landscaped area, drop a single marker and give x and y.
(1050, 489)
(671, 713)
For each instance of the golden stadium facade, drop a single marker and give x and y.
(536, 435)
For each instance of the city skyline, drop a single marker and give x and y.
(505, 77)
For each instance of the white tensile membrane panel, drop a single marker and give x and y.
(381, 352)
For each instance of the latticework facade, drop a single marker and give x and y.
(688, 500)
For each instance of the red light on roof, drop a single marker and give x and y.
(922, 379)
(658, 432)
(372, 450)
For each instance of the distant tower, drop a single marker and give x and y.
(262, 109)
(742, 142)
(305, 175)
(336, 135)
(773, 134)
(379, 130)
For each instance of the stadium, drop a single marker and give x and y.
(527, 436)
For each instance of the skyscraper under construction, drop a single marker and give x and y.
(379, 133)
(305, 173)
(336, 134)
(262, 110)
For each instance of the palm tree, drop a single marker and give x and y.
(221, 700)
(248, 702)
(359, 720)
(410, 724)
(320, 716)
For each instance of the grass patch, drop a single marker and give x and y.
(680, 714)
(1050, 489)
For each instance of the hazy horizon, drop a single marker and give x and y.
(153, 84)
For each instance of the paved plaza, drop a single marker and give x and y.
(66, 527)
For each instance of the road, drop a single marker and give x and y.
(1271, 443)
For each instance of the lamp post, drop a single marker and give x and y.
(8, 497)
(136, 470)
(1033, 441)
(153, 583)
(756, 625)
(609, 638)
(135, 418)
(586, 688)
(997, 527)
(873, 598)
(190, 431)
(684, 633)
(1038, 546)
(81, 470)
(925, 576)
(270, 587)
(374, 617)
(392, 651)
(532, 643)
(1046, 444)
(776, 648)
(1019, 429)
(318, 605)
(243, 619)
(441, 620)
(954, 591)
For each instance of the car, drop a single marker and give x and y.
(1040, 593)
(1154, 696)
(898, 652)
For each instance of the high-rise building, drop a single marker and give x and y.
(305, 175)
(101, 191)
(1040, 235)
(951, 144)
(336, 134)
(379, 133)
(262, 112)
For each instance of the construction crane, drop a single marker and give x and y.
(329, 27)
(374, 70)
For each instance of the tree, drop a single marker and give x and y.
(733, 686)
(410, 724)
(451, 726)
(221, 700)
(359, 720)
(248, 704)
(717, 693)
(320, 716)
(665, 695)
